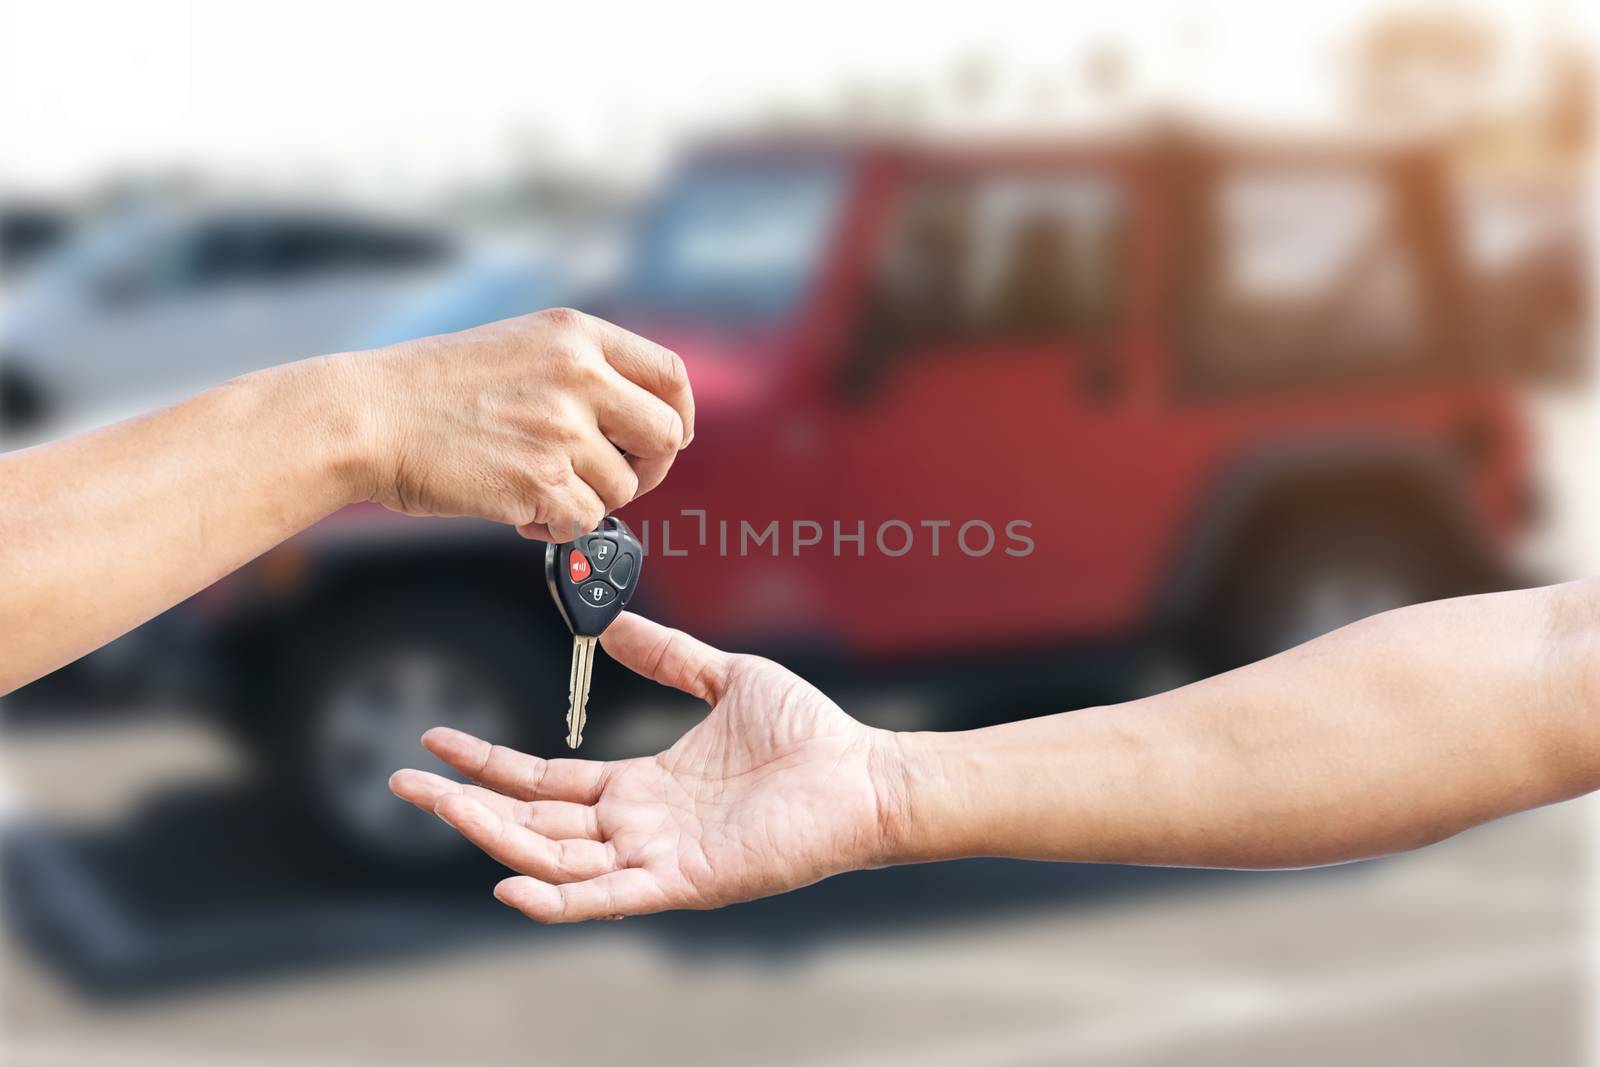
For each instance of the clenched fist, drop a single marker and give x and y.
(546, 422)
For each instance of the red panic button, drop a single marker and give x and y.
(577, 565)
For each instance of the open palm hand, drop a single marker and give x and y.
(776, 788)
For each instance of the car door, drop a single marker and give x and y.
(325, 280)
(181, 313)
(988, 407)
(226, 293)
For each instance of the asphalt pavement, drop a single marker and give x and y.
(1471, 952)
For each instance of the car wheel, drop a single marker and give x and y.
(362, 690)
(1308, 579)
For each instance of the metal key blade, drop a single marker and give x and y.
(578, 689)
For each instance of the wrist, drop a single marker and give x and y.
(325, 406)
(910, 778)
(1009, 790)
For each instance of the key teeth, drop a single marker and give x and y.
(574, 734)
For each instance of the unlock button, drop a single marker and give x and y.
(603, 551)
(598, 594)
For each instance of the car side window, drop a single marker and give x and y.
(1003, 257)
(1049, 256)
(262, 249)
(921, 290)
(296, 248)
(1312, 276)
(219, 251)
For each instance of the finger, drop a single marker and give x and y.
(560, 820)
(517, 774)
(606, 472)
(574, 508)
(520, 848)
(637, 421)
(644, 426)
(649, 472)
(631, 891)
(555, 819)
(649, 365)
(537, 531)
(668, 656)
(425, 790)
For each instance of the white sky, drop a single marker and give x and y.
(409, 95)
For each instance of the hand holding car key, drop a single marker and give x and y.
(592, 578)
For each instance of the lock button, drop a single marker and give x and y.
(597, 594)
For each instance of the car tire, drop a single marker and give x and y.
(359, 689)
(1310, 577)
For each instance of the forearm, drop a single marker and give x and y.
(544, 422)
(1389, 734)
(101, 532)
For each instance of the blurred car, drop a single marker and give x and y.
(1203, 395)
(1234, 386)
(1529, 267)
(28, 231)
(484, 288)
(160, 299)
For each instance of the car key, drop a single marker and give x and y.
(592, 578)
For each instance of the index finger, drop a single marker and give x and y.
(649, 365)
(517, 774)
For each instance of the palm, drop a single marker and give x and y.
(774, 789)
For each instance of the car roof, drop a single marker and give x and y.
(193, 210)
(1126, 144)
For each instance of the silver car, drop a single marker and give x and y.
(155, 302)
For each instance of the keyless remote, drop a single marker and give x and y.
(592, 578)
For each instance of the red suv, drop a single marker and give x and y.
(971, 415)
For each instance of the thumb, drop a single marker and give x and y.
(668, 656)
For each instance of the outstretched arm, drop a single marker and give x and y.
(1392, 733)
(519, 421)
(1389, 734)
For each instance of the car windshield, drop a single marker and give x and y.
(734, 242)
(101, 249)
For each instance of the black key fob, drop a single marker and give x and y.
(593, 577)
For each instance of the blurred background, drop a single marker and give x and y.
(1262, 317)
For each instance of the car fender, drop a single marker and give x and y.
(1435, 483)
